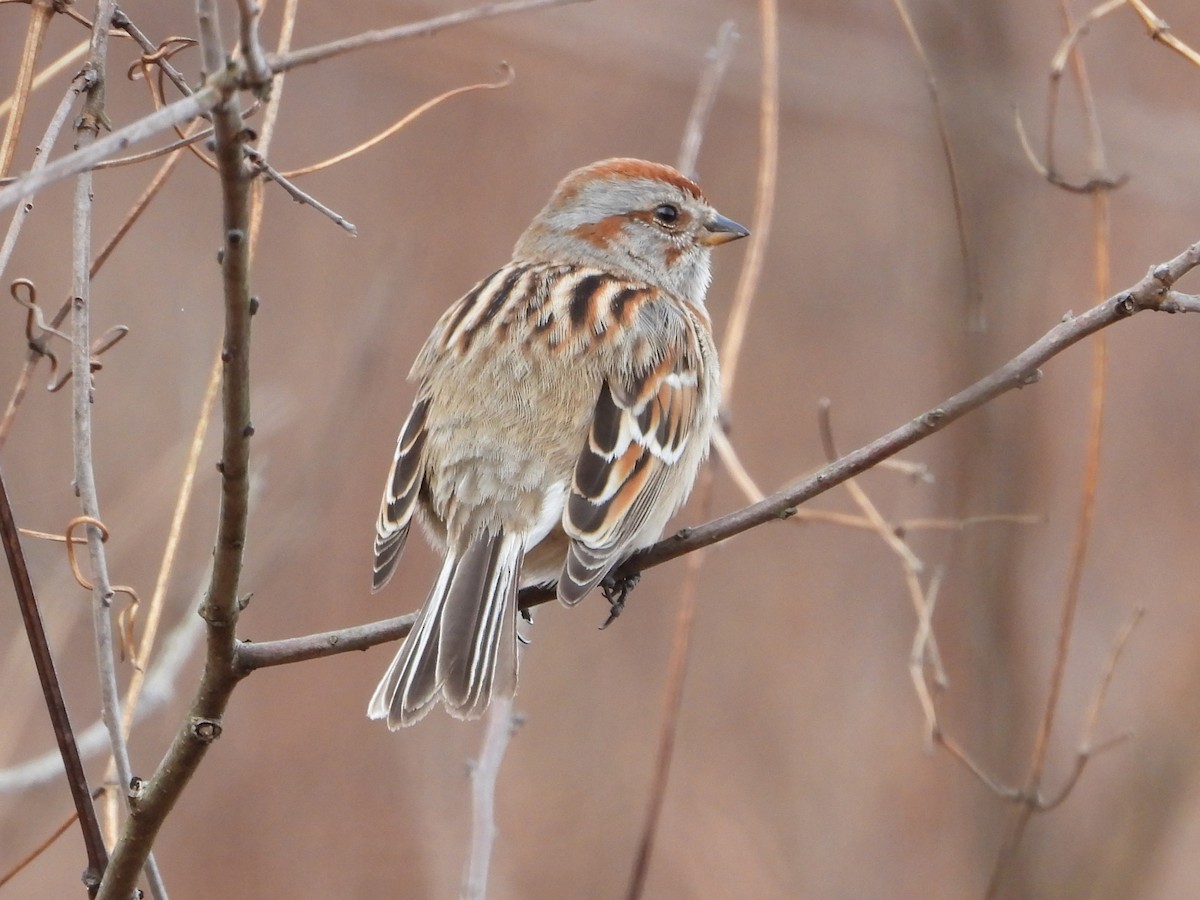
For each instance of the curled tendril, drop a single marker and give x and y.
(37, 331)
(127, 616)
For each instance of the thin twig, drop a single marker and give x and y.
(1091, 462)
(1088, 748)
(502, 724)
(764, 199)
(55, 68)
(44, 663)
(287, 30)
(87, 127)
(287, 61)
(1160, 31)
(40, 160)
(153, 51)
(716, 62)
(681, 643)
(922, 648)
(38, 850)
(910, 564)
(40, 14)
(869, 510)
(507, 76)
(269, 171)
(975, 315)
(177, 144)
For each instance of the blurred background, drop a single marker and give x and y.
(800, 765)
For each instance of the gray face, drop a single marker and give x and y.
(656, 229)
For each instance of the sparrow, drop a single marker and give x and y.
(563, 408)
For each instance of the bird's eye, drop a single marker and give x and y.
(666, 214)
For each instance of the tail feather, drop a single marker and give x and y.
(409, 688)
(462, 649)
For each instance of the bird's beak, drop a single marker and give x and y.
(720, 230)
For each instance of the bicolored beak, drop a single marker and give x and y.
(720, 230)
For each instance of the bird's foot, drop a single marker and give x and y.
(616, 588)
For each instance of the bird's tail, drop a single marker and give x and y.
(462, 649)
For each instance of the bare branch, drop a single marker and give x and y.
(183, 110)
(42, 157)
(716, 61)
(1153, 292)
(502, 724)
(288, 61)
(976, 319)
(764, 199)
(507, 74)
(221, 606)
(1088, 748)
(40, 14)
(44, 662)
(269, 171)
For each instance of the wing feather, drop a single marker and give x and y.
(400, 495)
(641, 426)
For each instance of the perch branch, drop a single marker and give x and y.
(1153, 292)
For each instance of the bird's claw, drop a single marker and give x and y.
(616, 589)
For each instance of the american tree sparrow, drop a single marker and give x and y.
(565, 405)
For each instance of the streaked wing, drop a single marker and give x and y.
(641, 426)
(400, 495)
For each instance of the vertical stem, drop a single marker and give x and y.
(63, 734)
(220, 608)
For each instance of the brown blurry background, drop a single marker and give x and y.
(800, 768)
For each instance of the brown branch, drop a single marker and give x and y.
(37, 851)
(66, 60)
(1160, 31)
(507, 75)
(44, 663)
(1153, 292)
(1091, 462)
(156, 797)
(764, 200)
(40, 14)
(681, 643)
(976, 319)
(1088, 748)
